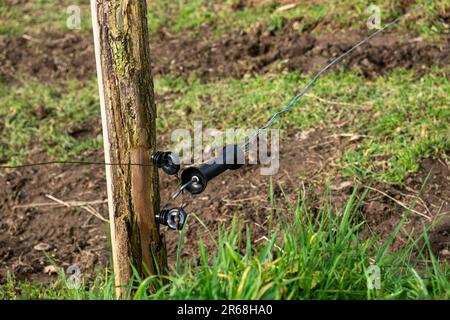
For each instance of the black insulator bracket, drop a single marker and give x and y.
(169, 162)
(174, 218)
(196, 178)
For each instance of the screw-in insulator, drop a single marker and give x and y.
(167, 161)
(173, 218)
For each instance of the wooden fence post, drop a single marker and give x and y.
(128, 117)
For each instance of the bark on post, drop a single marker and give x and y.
(128, 116)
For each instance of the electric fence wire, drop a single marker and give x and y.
(81, 163)
(298, 97)
(246, 146)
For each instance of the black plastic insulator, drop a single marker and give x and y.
(174, 218)
(231, 158)
(167, 161)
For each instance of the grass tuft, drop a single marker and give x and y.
(326, 254)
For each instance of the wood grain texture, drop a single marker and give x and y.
(130, 113)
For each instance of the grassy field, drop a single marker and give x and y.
(176, 16)
(400, 118)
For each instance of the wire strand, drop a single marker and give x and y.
(269, 123)
(82, 163)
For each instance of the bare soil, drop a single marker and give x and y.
(49, 57)
(428, 193)
(248, 53)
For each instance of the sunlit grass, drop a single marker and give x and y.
(329, 254)
(42, 16)
(40, 118)
(222, 16)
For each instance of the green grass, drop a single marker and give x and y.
(40, 16)
(190, 15)
(408, 122)
(323, 255)
(402, 118)
(38, 118)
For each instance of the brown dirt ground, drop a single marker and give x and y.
(75, 236)
(49, 57)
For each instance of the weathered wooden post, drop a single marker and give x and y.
(128, 118)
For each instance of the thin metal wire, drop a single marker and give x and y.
(269, 123)
(180, 190)
(82, 163)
